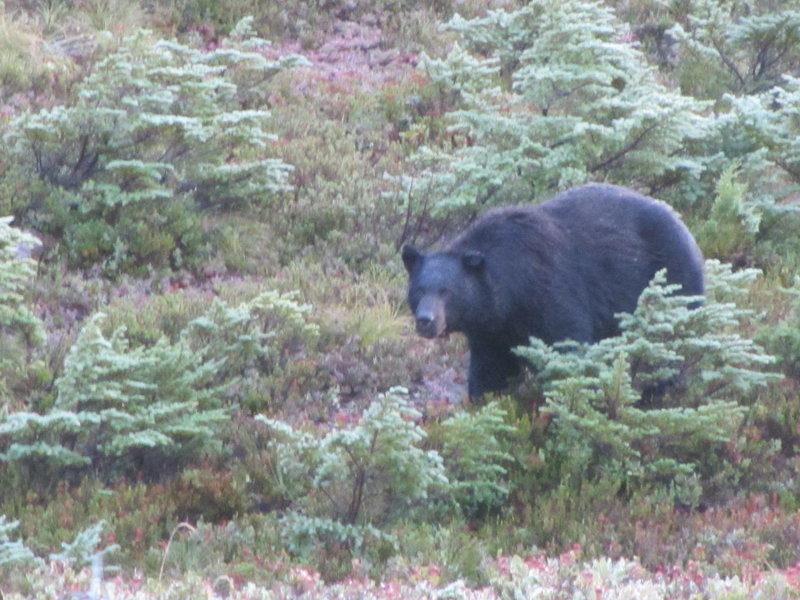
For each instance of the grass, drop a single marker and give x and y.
(566, 575)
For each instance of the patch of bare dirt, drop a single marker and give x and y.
(352, 57)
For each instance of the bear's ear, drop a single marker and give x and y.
(473, 260)
(411, 258)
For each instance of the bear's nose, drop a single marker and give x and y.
(426, 326)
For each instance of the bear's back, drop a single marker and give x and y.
(585, 255)
(509, 231)
(581, 219)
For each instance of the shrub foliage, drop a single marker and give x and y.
(562, 97)
(661, 401)
(150, 170)
(20, 330)
(157, 129)
(149, 409)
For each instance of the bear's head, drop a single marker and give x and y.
(444, 289)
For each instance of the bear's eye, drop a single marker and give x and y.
(444, 292)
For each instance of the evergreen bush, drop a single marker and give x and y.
(343, 488)
(21, 331)
(733, 46)
(744, 58)
(123, 410)
(767, 126)
(149, 409)
(18, 562)
(473, 446)
(156, 130)
(659, 404)
(266, 349)
(369, 473)
(82, 551)
(730, 231)
(12, 551)
(555, 94)
(351, 487)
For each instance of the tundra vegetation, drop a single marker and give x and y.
(210, 386)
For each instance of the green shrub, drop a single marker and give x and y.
(753, 153)
(265, 350)
(12, 551)
(151, 408)
(343, 488)
(756, 136)
(555, 96)
(123, 409)
(730, 46)
(730, 231)
(659, 404)
(370, 472)
(21, 331)
(350, 489)
(156, 130)
(82, 551)
(473, 449)
(767, 123)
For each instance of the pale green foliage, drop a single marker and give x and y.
(382, 456)
(704, 343)
(241, 332)
(305, 533)
(155, 114)
(767, 127)
(157, 129)
(83, 549)
(259, 344)
(738, 46)
(151, 407)
(17, 270)
(295, 454)
(472, 446)
(366, 472)
(733, 222)
(35, 435)
(20, 329)
(664, 397)
(131, 401)
(351, 483)
(562, 98)
(743, 57)
(354, 478)
(12, 551)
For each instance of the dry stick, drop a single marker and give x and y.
(182, 525)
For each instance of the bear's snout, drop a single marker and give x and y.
(429, 317)
(426, 326)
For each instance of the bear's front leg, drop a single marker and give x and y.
(490, 367)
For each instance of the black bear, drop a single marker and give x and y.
(556, 271)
